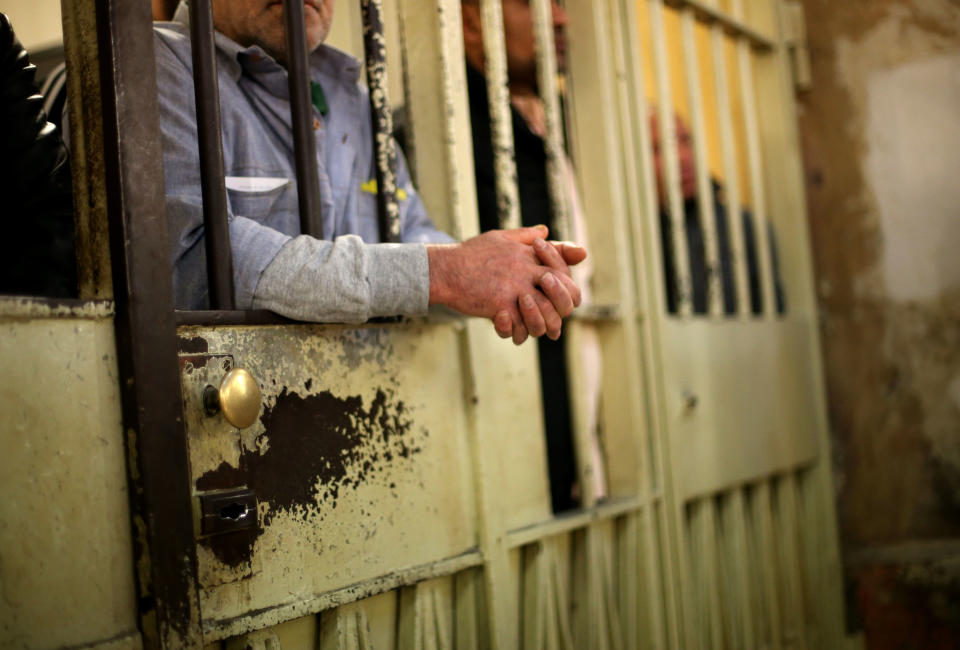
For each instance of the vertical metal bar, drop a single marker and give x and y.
(763, 517)
(638, 163)
(439, 113)
(793, 553)
(375, 50)
(731, 170)
(741, 563)
(84, 106)
(547, 81)
(501, 126)
(671, 162)
(145, 332)
(212, 177)
(707, 211)
(757, 188)
(301, 116)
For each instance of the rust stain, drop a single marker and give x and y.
(316, 447)
(193, 345)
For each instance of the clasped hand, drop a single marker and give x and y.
(517, 278)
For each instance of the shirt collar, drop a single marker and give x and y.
(333, 62)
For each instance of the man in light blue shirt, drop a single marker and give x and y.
(514, 277)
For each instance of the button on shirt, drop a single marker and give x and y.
(349, 278)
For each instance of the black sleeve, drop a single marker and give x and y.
(37, 251)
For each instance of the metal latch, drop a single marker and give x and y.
(796, 41)
(227, 512)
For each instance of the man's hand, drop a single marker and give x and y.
(513, 277)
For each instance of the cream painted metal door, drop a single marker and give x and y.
(738, 396)
(717, 528)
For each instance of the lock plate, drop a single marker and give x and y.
(227, 512)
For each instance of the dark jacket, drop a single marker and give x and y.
(37, 250)
(699, 272)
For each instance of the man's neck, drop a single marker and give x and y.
(530, 108)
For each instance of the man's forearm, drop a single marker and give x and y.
(345, 281)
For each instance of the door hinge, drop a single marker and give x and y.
(795, 38)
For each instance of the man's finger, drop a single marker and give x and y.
(526, 235)
(550, 256)
(558, 294)
(533, 319)
(519, 333)
(571, 253)
(551, 317)
(503, 323)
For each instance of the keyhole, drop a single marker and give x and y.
(235, 512)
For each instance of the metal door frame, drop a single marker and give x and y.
(120, 205)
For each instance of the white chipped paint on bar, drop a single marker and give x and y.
(547, 78)
(501, 126)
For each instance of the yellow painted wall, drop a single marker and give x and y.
(678, 84)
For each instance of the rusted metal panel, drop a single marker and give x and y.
(146, 338)
(355, 466)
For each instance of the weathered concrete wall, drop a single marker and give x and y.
(881, 136)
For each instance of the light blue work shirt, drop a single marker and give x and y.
(261, 178)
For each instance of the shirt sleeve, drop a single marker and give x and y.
(345, 280)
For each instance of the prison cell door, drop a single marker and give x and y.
(282, 469)
(739, 394)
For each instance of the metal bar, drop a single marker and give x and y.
(706, 208)
(302, 118)
(149, 377)
(439, 114)
(731, 170)
(581, 519)
(375, 49)
(732, 24)
(741, 565)
(501, 125)
(671, 163)
(549, 95)
(763, 518)
(757, 188)
(642, 202)
(787, 500)
(84, 107)
(212, 177)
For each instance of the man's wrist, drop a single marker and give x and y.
(439, 258)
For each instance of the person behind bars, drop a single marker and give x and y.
(536, 206)
(514, 277)
(696, 247)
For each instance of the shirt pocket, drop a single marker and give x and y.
(266, 199)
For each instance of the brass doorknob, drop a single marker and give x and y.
(238, 398)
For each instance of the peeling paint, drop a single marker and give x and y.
(13, 308)
(312, 447)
